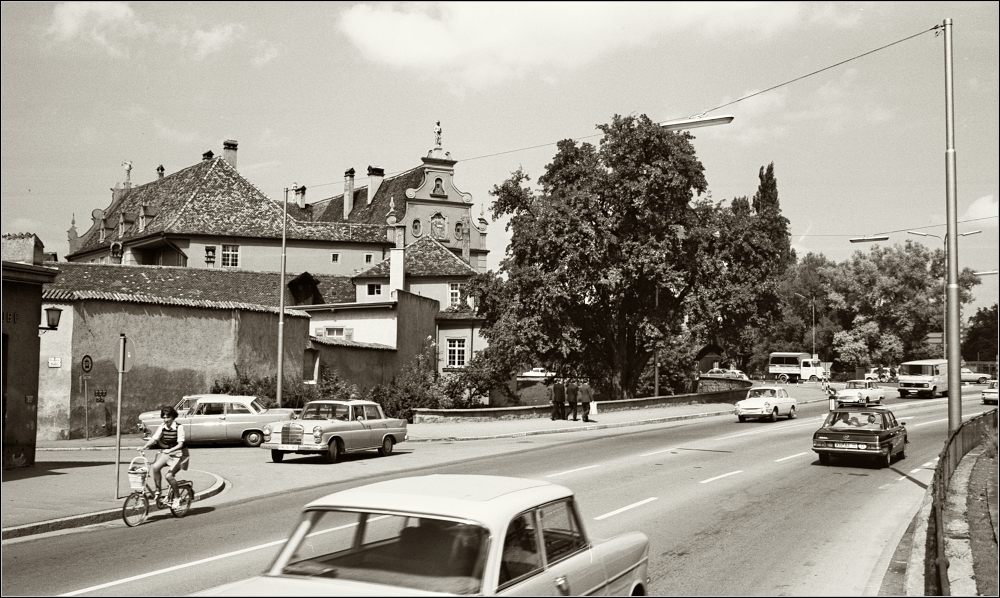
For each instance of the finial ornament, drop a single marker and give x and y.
(128, 169)
(437, 134)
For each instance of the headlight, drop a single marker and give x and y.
(267, 430)
(767, 405)
(317, 434)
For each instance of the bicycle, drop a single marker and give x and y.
(135, 511)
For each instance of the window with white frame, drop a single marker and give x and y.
(455, 293)
(369, 258)
(456, 352)
(334, 258)
(230, 256)
(374, 290)
(335, 332)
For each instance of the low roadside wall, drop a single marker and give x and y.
(426, 416)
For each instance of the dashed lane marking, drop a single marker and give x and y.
(623, 509)
(719, 477)
(570, 471)
(789, 457)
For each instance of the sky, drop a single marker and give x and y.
(312, 89)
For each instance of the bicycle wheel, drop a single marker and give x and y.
(186, 497)
(135, 510)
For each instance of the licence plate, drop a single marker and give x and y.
(847, 445)
(288, 447)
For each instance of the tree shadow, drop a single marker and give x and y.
(45, 469)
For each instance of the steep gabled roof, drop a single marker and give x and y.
(424, 257)
(392, 188)
(206, 287)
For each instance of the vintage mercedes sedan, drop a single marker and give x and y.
(990, 393)
(333, 427)
(766, 402)
(870, 432)
(213, 418)
(450, 534)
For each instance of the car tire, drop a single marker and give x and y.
(782, 377)
(903, 394)
(277, 456)
(982, 380)
(824, 458)
(333, 454)
(253, 438)
(386, 449)
(742, 418)
(774, 415)
(791, 412)
(902, 451)
(886, 460)
(813, 379)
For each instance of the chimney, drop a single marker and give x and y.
(229, 151)
(375, 176)
(300, 196)
(348, 193)
(207, 155)
(159, 171)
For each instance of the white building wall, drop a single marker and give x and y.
(375, 325)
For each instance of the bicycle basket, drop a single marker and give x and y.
(137, 471)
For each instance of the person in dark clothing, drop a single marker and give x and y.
(571, 394)
(557, 394)
(586, 397)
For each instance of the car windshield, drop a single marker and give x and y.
(855, 385)
(184, 404)
(865, 420)
(326, 411)
(760, 392)
(421, 553)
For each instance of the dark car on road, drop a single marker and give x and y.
(868, 432)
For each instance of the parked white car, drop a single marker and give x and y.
(450, 534)
(861, 392)
(766, 402)
(213, 418)
(990, 393)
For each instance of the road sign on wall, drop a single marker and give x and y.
(87, 363)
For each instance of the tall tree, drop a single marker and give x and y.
(981, 335)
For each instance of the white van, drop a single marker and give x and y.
(925, 377)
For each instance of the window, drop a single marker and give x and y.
(521, 556)
(334, 258)
(416, 227)
(455, 293)
(456, 352)
(211, 409)
(369, 258)
(210, 254)
(335, 332)
(374, 289)
(238, 408)
(230, 256)
(560, 532)
(372, 412)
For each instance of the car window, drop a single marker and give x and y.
(257, 406)
(784, 394)
(560, 532)
(890, 420)
(211, 409)
(372, 412)
(521, 556)
(357, 412)
(237, 409)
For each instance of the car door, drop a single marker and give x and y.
(785, 401)
(356, 434)
(208, 422)
(239, 418)
(897, 433)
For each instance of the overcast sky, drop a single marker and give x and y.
(310, 90)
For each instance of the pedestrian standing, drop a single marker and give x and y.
(557, 394)
(586, 395)
(571, 394)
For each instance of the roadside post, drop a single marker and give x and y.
(86, 364)
(125, 358)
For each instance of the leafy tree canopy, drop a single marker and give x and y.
(981, 336)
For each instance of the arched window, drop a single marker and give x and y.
(416, 227)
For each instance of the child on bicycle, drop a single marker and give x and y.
(169, 437)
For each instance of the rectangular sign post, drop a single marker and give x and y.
(86, 405)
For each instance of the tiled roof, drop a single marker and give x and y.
(211, 287)
(211, 198)
(392, 188)
(458, 316)
(424, 257)
(339, 342)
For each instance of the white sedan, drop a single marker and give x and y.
(452, 534)
(766, 402)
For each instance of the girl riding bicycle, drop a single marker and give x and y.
(173, 455)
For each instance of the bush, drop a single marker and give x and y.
(415, 386)
(294, 395)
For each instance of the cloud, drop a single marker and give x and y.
(481, 44)
(174, 135)
(984, 207)
(117, 29)
(266, 52)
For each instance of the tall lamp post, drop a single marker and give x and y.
(281, 297)
(693, 122)
(812, 301)
(944, 329)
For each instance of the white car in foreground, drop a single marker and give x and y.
(766, 402)
(451, 534)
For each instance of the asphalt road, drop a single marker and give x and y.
(730, 509)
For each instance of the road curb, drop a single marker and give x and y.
(52, 525)
(913, 584)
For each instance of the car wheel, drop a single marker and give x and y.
(742, 418)
(902, 451)
(277, 456)
(982, 380)
(782, 377)
(333, 455)
(253, 438)
(386, 448)
(813, 378)
(774, 415)
(791, 412)
(887, 458)
(824, 459)
(903, 394)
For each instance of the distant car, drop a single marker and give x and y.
(873, 374)
(990, 393)
(331, 428)
(765, 402)
(861, 392)
(538, 373)
(215, 418)
(450, 534)
(721, 373)
(871, 432)
(973, 377)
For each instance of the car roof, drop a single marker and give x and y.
(342, 402)
(765, 388)
(489, 500)
(859, 380)
(221, 397)
(925, 362)
(882, 408)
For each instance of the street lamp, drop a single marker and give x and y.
(944, 239)
(281, 295)
(693, 122)
(812, 301)
(869, 239)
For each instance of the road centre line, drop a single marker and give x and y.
(917, 470)
(623, 509)
(658, 452)
(200, 562)
(719, 477)
(931, 422)
(570, 471)
(765, 430)
(791, 457)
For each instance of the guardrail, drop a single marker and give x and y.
(967, 437)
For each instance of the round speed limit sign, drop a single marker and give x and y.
(87, 364)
